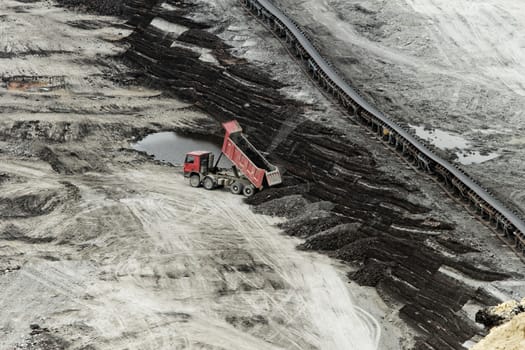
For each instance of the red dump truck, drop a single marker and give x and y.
(250, 171)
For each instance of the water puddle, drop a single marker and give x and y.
(474, 157)
(172, 148)
(447, 141)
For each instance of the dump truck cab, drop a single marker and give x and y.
(198, 162)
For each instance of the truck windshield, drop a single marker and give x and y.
(190, 160)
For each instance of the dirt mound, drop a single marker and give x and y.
(19, 200)
(29, 205)
(289, 206)
(334, 238)
(4, 177)
(309, 225)
(14, 233)
(495, 315)
(246, 321)
(71, 161)
(370, 274)
(509, 336)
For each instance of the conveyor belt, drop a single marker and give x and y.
(336, 79)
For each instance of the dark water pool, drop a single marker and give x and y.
(172, 148)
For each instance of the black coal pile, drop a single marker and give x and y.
(250, 151)
(103, 7)
(335, 195)
(493, 316)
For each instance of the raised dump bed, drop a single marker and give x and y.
(247, 158)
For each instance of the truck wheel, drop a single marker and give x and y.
(248, 191)
(236, 188)
(208, 183)
(195, 180)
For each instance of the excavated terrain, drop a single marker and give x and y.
(336, 195)
(344, 193)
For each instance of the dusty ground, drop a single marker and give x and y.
(103, 249)
(140, 264)
(455, 69)
(98, 240)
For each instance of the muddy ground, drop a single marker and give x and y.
(106, 237)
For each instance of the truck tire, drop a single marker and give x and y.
(236, 188)
(209, 183)
(248, 191)
(195, 180)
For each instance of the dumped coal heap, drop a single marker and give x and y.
(105, 7)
